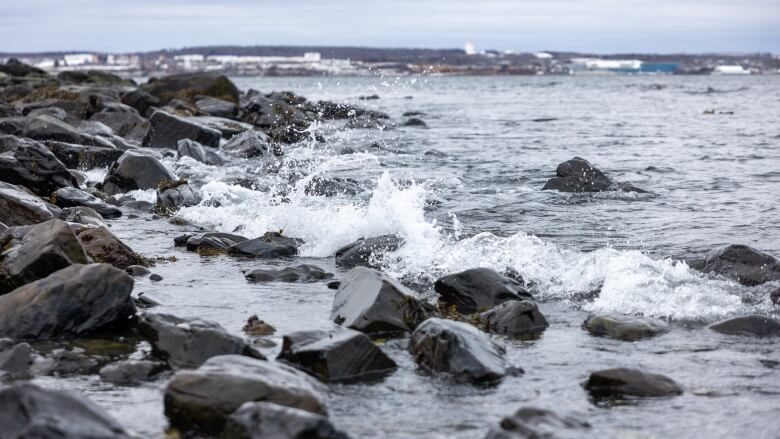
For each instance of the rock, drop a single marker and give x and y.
(618, 382)
(45, 127)
(137, 270)
(213, 241)
(299, 273)
(141, 101)
(265, 420)
(191, 148)
(14, 67)
(67, 362)
(774, 296)
(176, 194)
(367, 251)
(578, 175)
(334, 285)
(74, 301)
(753, 325)
(135, 170)
(186, 86)
(102, 246)
(256, 327)
(44, 249)
(18, 208)
(251, 144)
(15, 359)
(189, 343)
(270, 245)
(333, 110)
(131, 371)
(200, 401)
(626, 328)
(284, 122)
(459, 349)
(29, 411)
(93, 77)
(72, 197)
(33, 166)
(534, 423)
(367, 122)
(155, 277)
(124, 120)
(514, 318)
(167, 129)
(478, 289)
(216, 107)
(341, 355)
(332, 187)
(84, 157)
(744, 264)
(415, 122)
(372, 302)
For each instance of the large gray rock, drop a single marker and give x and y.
(341, 355)
(33, 166)
(135, 170)
(45, 127)
(250, 144)
(216, 107)
(754, 325)
(84, 157)
(619, 382)
(19, 208)
(270, 245)
(72, 197)
(742, 263)
(103, 246)
(124, 120)
(31, 412)
(265, 420)
(578, 175)
(44, 249)
(74, 301)
(186, 86)
(191, 148)
(372, 302)
(300, 273)
(167, 129)
(534, 423)
(200, 401)
(478, 289)
(213, 241)
(15, 359)
(621, 327)
(131, 371)
(459, 349)
(189, 343)
(514, 318)
(367, 252)
(143, 102)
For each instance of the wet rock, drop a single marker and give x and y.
(14, 67)
(29, 411)
(744, 264)
(265, 420)
(44, 249)
(167, 129)
(200, 401)
(191, 148)
(186, 86)
(534, 423)
(173, 195)
(84, 157)
(256, 327)
(774, 296)
(284, 122)
(626, 328)
(131, 371)
(74, 301)
(334, 110)
(367, 251)
(251, 144)
(415, 122)
(459, 349)
(68, 362)
(135, 170)
(618, 382)
(141, 101)
(331, 187)
(82, 215)
(146, 301)
(137, 270)
(102, 246)
(578, 175)
(299, 273)
(45, 127)
(435, 153)
(341, 355)
(216, 107)
(367, 122)
(72, 197)
(514, 318)
(334, 285)
(188, 343)
(270, 245)
(478, 289)
(753, 325)
(155, 277)
(124, 120)
(97, 77)
(213, 241)
(15, 359)
(19, 208)
(228, 127)
(372, 302)
(33, 166)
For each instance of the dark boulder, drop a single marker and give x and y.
(514, 318)
(135, 170)
(626, 328)
(367, 252)
(250, 144)
(74, 301)
(102, 246)
(200, 401)
(141, 101)
(72, 197)
(213, 240)
(336, 110)
(186, 86)
(372, 302)
(167, 129)
(265, 420)
(174, 195)
(96, 77)
(534, 423)
(284, 122)
(774, 296)
(19, 208)
(189, 343)
(191, 148)
(368, 122)
(131, 371)
(578, 175)
(341, 355)
(300, 273)
(45, 127)
(478, 289)
(29, 411)
(619, 382)
(270, 245)
(14, 67)
(415, 122)
(754, 325)
(84, 157)
(33, 166)
(124, 120)
(744, 264)
(216, 107)
(459, 349)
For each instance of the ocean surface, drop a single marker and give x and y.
(466, 192)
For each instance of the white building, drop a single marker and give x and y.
(79, 59)
(730, 70)
(470, 48)
(543, 55)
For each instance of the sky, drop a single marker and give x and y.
(598, 26)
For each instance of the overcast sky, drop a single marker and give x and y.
(583, 25)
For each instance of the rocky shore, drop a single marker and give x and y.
(66, 280)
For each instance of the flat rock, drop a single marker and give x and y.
(578, 175)
(213, 240)
(135, 170)
(168, 129)
(265, 420)
(46, 127)
(299, 273)
(82, 215)
(622, 327)
(270, 245)
(72, 197)
(367, 252)
(19, 208)
(618, 382)
(478, 289)
(84, 157)
(131, 371)
(742, 263)
(535, 423)
(753, 325)
(102, 246)
(514, 318)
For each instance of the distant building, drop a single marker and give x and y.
(730, 70)
(596, 65)
(470, 48)
(543, 55)
(79, 59)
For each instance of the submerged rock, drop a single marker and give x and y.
(168, 129)
(299, 273)
(131, 371)
(415, 122)
(102, 246)
(270, 245)
(478, 289)
(265, 420)
(135, 170)
(191, 148)
(18, 208)
(622, 327)
(332, 187)
(189, 343)
(534, 423)
(372, 302)
(578, 175)
(200, 401)
(459, 349)
(72, 197)
(618, 382)
(256, 327)
(213, 240)
(514, 318)
(754, 325)
(744, 264)
(367, 251)
(341, 355)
